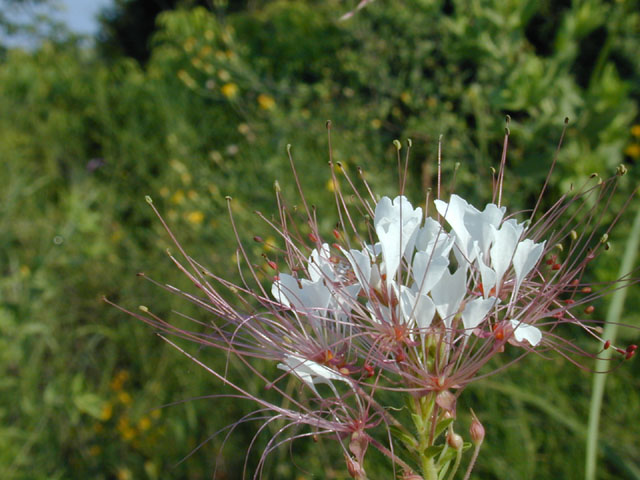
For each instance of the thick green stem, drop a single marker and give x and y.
(429, 471)
(610, 331)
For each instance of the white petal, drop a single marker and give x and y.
(361, 265)
(475, 312)
(431, 232)
(526, 257)
(428, 270)
(470, 224)
(396, 223)
(311, 372)
(285, 283)
(319, 265)
(416, 309)
(488, 276)
(454, 213)
(312, 296)
(480, 225)
(448, 294)
(504, 246)
(524, 331)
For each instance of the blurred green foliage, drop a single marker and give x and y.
(83, 139)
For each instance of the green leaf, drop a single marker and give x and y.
(442, 425)
(89, 403)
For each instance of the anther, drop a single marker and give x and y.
(589, 310)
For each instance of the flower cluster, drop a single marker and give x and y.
(419, 287)
(416, 306)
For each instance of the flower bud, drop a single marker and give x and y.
(355, 469)
(476, 430)
(446, 400)
(454, 440)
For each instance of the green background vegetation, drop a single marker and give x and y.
(205, 109)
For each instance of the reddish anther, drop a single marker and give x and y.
(589, 310)
(368, 371)
(607, 344)
(313, 238)
(586, 290)
(556, 266)
(272, 264)
(336, 233)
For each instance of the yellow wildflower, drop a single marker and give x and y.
(196, 217)
(229, 90)
(376, 123)
(266, 102)
(269, 244)
(189, 44)
(128, 434)
(205, 51)
(124, 398)
(186, 178)
(633, 150)
(124, 474)
(177, 197)
(197, 63)
(144, 424)
(95, 450)
(330, 185)
(635, 130)
(106, 412)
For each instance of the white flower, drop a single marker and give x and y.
(396, 222)
(475, 312)
(523, 331)
(303, 294)
(504, 246)
(311, 372)
(526, 257)
(470, 225)
(417, 309)
(448, 294)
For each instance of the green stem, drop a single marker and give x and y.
(456, 465)
(610, 331)
(429, 471)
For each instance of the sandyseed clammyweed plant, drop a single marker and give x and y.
(385, 324)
